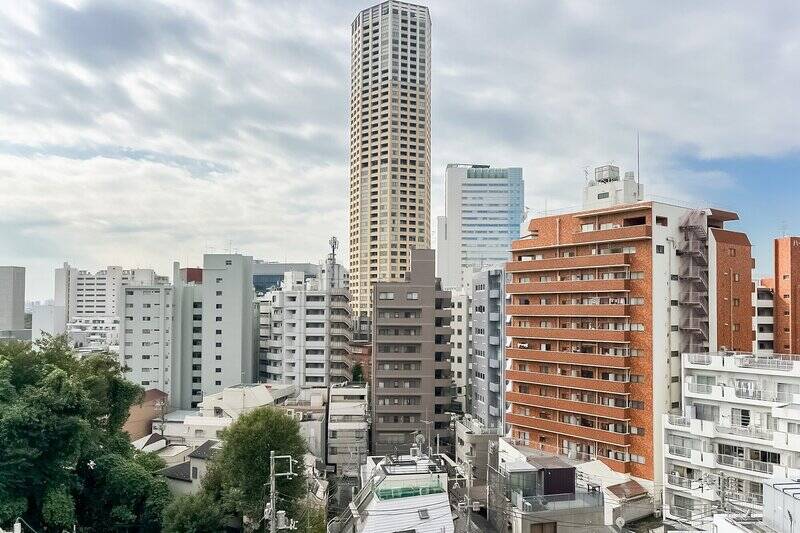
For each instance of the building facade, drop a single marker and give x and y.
(389, 143)
(601, 304)
(411, 391)
(487, 361)
(763, 318)
(145, 348)
(461, 343)
(787, 295)
(484, 210)
(12, 298)
(348, 428)
(306, 330)
(738, 430)
(213, 342)
(86, 294)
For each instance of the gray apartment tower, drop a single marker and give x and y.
(488, 343)
(390, 157)
(411, 391)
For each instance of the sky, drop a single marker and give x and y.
(142, 133)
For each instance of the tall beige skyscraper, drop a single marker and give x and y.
(389, 144)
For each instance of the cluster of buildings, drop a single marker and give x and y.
(570, 372)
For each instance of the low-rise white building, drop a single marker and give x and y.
(405, 493)
(216, 412)
(740, 428)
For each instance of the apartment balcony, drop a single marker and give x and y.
(494, 411)
(561, 263)
(494, 293)
(746, 465)
(494, 317)
(589, 359)
(494, 363)
(561, 428)
(494, 387)
(623, 233)
(494, 340)
(574, 286)
(735, 362)
(557, 380)
(600, 310)
(569, 406)
(752, 433)
(575, 334)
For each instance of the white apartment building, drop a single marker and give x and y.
(213, 337)
(305, 330)
(390, 146)
(740, 428)
(348, 428)
(484, 210)
(763, 319)
(146, 326)
(12, 298)
(94, 333)
(85, 294)
(461, 342)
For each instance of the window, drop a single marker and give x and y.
(736, 327)
(662, 221)
(219, 280)
(194, 472)
(637, 275)
(602, 195)
(385, 296)
(636, 404)
(735, 277)
(659, 248)
(736, 302)
(412, 296)
(732, 252)
(587, 227)
(219, 293)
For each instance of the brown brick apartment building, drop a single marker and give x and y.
(411, 378)
(601, 303)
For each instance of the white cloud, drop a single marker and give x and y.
(141, 133)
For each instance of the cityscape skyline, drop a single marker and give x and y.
(107, 162)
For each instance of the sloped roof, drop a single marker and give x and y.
(627, 490)
(205, 450)
(179, 472)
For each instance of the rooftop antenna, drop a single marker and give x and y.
(638, 178)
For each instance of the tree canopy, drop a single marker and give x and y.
(64, 458)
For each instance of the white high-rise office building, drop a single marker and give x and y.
(12, 298)
(306, 329)
(484, 210)
(86, 294)
(215, 318)
(390, 111)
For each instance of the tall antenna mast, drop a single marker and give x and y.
(638, 178)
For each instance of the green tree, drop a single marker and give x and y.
(196, 513)
(58, 415)
(239, 474)
(358, 373)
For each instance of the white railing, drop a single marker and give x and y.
(745, 431)
(745, 464)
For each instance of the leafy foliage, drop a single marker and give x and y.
(358, 373)
(57, 414)
(196, 513)
(241, 468)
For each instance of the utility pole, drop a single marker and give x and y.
(277, 519)
(469, 495)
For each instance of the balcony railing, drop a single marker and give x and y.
(676, 420)
(683, 482)
(754, 432)
(765, 363)
(745, 464)
(581, 498)
(699, 359)
(763, 395)
(700, 388)
(680, 451)
(691, 514)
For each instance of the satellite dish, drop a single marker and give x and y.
(620, 522)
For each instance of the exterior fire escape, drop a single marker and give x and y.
(693, 268)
